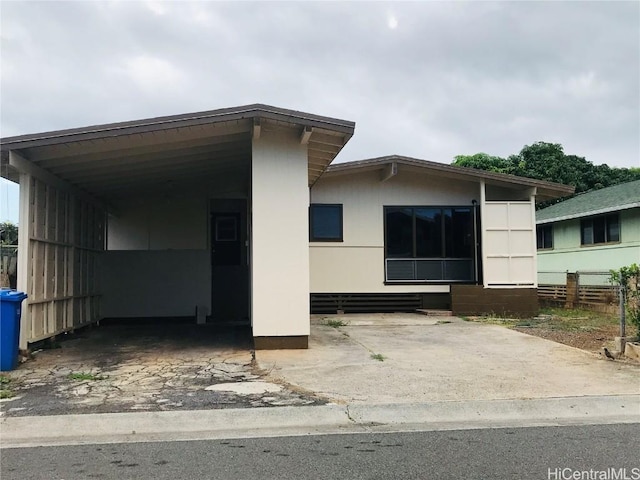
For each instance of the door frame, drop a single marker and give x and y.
(235, 205)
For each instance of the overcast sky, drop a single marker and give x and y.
(425, 79)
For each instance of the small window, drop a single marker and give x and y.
(544, 234)
(598, 230)
(325, 222)
(226, 229)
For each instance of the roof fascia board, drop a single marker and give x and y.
(591, 213)
(459, 172)
(177, 121)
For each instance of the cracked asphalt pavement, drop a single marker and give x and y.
(123, 368)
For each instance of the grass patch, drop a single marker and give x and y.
(377, 356)
(80, 376)
(4, 380)
(557, 319)
(6, 393)
(442, 322)
(572, 320)
(335, 323)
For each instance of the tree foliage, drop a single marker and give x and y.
(629, 280)
(8, 233)
(547, 161)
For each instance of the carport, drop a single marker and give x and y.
(201, 215)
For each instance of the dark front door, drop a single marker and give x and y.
(229, 266)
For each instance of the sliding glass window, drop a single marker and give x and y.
(424, 244)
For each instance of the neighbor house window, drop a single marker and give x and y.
(429, 244)
(325, 222)
(544, 235)
(603, 229)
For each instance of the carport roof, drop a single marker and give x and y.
(98, 159)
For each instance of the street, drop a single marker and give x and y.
(536, 453)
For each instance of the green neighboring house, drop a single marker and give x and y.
(594, 231)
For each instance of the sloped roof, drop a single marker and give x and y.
(108, 160)
(611, 199)
(545, 190)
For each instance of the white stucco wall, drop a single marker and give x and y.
(279, 236)
(160, 223)
(155, 283)
(157, 262)
(356, 265)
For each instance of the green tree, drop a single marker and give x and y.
(483, 161)
(548, 161)
(8, 233)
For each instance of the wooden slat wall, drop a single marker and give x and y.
(66, 235)
(365, 302)
(598, 298)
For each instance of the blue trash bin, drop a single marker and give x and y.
(10, 302)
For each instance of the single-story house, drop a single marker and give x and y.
(594, 231)
(236, 215)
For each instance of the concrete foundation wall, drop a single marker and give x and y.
(477, 300)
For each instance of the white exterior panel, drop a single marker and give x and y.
(279, 236)
(508, 244)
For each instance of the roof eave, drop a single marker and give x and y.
(590, 213)
(174, 121)
(548, 190)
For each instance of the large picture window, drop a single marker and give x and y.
(325, 222)
(604, 229)
(429, 244)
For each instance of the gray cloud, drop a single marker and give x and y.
(451, 78)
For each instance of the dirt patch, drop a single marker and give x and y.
(592, 341)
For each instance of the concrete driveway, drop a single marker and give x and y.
(372, 359)
(427, 359)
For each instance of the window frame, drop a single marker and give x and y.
(443, 233)
(473, 254)
(589, 222)
(540, 235)
(312, 237)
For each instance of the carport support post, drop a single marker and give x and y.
(24, 255)
(279, 241)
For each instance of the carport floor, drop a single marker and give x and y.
(145, 366)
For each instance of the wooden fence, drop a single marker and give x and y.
(590, 290)
(8, 266)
